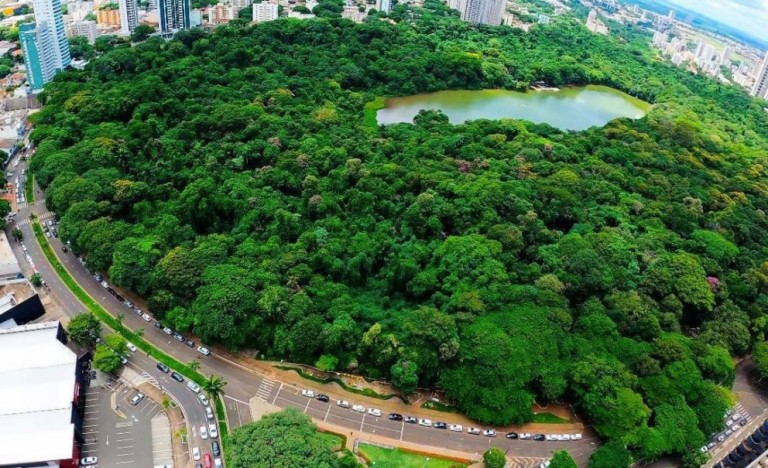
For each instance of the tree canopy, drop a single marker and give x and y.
(234, 178)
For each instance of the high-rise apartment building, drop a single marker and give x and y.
(483, 11)
(37, 47)
(174, 15)
(49, 12)
(129, 16)
(85, 28)
(384, 5)
(264, 11)
(760, 89)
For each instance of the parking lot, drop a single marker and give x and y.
(118, 439)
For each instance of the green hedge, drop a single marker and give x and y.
(364, 392)
(29, 189)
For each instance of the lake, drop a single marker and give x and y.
(567, 109)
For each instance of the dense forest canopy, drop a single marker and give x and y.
(230, 178)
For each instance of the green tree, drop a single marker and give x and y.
(405, 376)
(284, 439)
(193, 365)
(84, 329)
(36, 280)
(106, 359)
(117, 343)
(213, 385)
(610, 455)
(494, 458)
(327, 362)
(142, 32)
(562, 459)
(760, 358)
(17, 234)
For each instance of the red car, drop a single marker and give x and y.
(207, 462)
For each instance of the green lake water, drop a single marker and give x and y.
(567, 109)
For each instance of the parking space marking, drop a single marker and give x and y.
(265, 389)
(327, 412)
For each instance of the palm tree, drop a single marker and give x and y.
(139, 332)
(120, 317)
(193, 365)
(213, 385)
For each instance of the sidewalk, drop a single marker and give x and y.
(176, 420)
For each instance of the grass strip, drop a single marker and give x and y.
(398, 458)
(549, 418)
(110, 321)
(371, 109)
(29, 189)
(364, 392)
(223, 428)
(438, 406)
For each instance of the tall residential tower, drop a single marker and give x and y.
(483, 11)
(49, 12)
(761, 83)
(174, 15)
(37, 46)
(129, 16)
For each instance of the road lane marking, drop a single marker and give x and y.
(235, 399)
(327, 412)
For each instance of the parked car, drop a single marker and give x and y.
(217, 463)
(489, 432)
(539, 437)
(193, 386)
(196, 454)
(551, 437)
(163, 368)
(473, 431)
(178, 337)
(511, 435)
(374, 412)
(323, 398)
(343, 403)
(358, 408)
(308, 393)
(137, 399)
(203, 351)
(212, 430)
(128, 304)
(456, 428)
(215, 448)
(167, 331)
(158, 325)
(395, 417)
(189, 343)
(203, 399)
(576, 436)
(203, 432)
(208, 412)
(89, 461)
(146, 317)
(131, 347)
(525, 436)
(425, 422)
(119, 297)
(177, 377)
(440, 425)
(207, 462)
(410, 420)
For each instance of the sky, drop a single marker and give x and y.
(750, 16)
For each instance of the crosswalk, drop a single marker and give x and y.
(41, 218)
(265, 389)
(739, 408)
(527, 462)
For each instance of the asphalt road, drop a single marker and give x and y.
(242, 384)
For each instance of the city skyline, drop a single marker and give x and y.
(748, 16)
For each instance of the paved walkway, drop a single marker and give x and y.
(162, 445)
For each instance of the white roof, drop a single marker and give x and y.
(37, 385)
(9, 266)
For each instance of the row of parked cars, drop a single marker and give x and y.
(148, 318)
(733, 423)
(441, 425)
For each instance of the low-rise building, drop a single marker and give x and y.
(86, 29)
(40, 397)
(107, 18)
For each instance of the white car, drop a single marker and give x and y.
(575, 436)
(374, 412)
(358, 408)
(89, 461)
(308, 393)
(146, 317)
(525, 436)
(343, 403)
(425, 422)
(203, 432)
(131, 346)
(217, 463)
(563, 437)
(489, 432)
(735, 427)
(729, 422)
(212, 429)
(193, 386)
(551, 437)
(203, 351)
(196, 453)
(473, 431)
(208, 412)
(203, 399)
(167, 331)
(456, 428)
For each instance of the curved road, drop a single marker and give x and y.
(243, 383)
